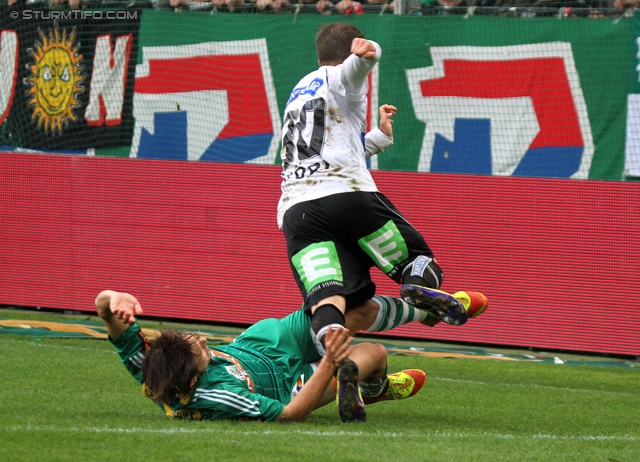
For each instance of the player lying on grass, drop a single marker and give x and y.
(272, 371)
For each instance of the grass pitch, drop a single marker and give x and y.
(72, 400)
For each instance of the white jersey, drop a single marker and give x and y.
(323, 134)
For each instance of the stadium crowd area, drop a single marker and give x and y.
(523, 8)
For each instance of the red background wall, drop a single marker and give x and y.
(558, 259)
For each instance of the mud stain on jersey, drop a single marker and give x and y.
(328, 139)
(335, 115)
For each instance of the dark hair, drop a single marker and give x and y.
(169, 366)
(333, 42)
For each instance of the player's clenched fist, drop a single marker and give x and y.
(363, 48)
(386, 112)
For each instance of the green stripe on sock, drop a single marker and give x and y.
(383, 315)
(394, 312)
(375, 389)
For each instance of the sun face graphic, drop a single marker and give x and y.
(55, 79)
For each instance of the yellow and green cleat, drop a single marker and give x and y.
(402, 385)
(474, 302)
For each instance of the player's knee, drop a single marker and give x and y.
(423, 271)
(379, 352)
(376, 353)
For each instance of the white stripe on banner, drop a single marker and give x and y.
(632, 150)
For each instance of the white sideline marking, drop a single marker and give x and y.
(534, 385)
(434, 434)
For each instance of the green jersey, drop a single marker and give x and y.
(253, 377)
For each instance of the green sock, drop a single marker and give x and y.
(375, 389)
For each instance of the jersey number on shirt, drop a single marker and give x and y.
(316, 107)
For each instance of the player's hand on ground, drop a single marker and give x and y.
(386, 123)
(337, 346)
(363, 48)
(125, 306)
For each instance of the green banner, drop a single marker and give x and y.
(564, 115)
(537, 97)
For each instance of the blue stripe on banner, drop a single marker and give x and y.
(238, 149)
(554, 162)
(469, 153)
(169, 140)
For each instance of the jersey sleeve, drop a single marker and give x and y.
(234, 402)
(375, 142)
(130, 346)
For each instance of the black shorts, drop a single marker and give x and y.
(334, 241)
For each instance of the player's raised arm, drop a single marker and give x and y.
(118, 310)
(337, 347)
(364, 55)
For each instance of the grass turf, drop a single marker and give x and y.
(71, 399)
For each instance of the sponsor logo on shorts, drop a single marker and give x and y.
(318, 263)
(385, 247)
